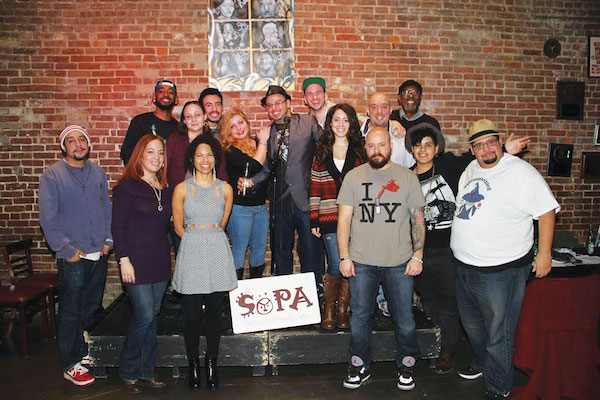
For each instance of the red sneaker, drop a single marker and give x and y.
(79, 375)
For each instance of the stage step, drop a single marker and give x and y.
(292, 346)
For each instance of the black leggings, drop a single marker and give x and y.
(213, 307)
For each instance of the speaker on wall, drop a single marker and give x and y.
(570, 97)
(560, 159)
(590, 164)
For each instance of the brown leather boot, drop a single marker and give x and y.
(343, 320)
(331, 288)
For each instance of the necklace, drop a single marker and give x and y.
(157, 193)
(79, 181)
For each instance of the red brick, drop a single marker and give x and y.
(475, 59)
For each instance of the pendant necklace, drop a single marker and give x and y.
(157, 193)
(74, 175)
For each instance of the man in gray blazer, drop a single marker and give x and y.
(291, 147)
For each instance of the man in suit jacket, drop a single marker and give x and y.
(291, 147)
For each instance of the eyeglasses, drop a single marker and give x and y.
(189, 117)
(407, 92)
(489, 143)
(276, 103)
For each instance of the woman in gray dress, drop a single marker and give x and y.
(204, 270)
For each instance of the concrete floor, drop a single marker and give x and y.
(39, 377)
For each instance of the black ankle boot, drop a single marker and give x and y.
(256, 272)
(194, 373)
(240, 273)
(212, 377)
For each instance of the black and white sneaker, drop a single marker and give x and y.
(469, 373)
(405, 374)
(357, 374)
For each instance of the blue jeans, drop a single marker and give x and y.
(398, 289)
(80, 292)
(287, 218)
(248, 226)
(333, 253)
(138, 359)
(489, 304)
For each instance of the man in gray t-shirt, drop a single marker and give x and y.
(380, 207)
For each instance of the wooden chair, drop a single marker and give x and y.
(22, 302)
(17, 257)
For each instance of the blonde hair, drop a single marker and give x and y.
(246, 145)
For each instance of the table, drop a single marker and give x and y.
(557, 342)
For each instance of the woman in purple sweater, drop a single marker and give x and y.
(140, 221)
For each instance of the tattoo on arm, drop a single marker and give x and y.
(417, 222)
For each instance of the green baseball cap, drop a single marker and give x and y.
(313, 79)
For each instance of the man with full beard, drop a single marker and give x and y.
(380, 207)
(159, 122)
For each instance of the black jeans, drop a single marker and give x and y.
(80, 292)
(437, 286)
(194, 315)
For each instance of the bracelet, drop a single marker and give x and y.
(344, 258)
(262, 144)
(418, 259)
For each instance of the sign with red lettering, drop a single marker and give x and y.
(274, 303)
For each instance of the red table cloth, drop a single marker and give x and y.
(557, 339)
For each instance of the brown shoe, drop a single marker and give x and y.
(331, 289)
(132, 387)
(443, 365)
(154, 383)
(343, 320)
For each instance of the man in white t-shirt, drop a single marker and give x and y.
(379, 116)
(498, 198)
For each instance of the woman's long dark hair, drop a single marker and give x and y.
(191, 150)
(355, 139)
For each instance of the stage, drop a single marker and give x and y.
(260, 350)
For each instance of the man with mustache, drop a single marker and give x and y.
(292, 142)
(498, 198)
(409, 99)
(211, 102)
(75, 216)
(159, 122)
(381, 233)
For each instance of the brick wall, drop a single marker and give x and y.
(95, 63)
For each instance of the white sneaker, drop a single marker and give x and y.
(86, 360)
(79, 375)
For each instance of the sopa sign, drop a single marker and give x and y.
(274, 303)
